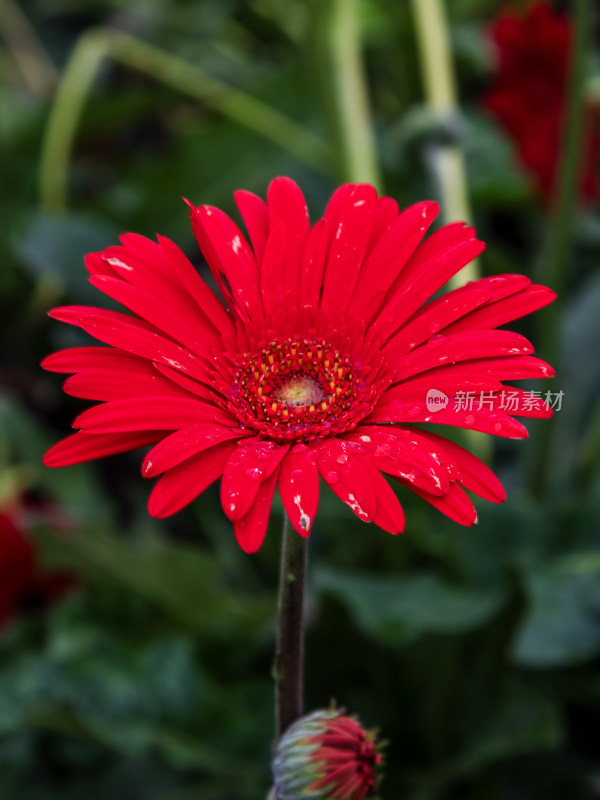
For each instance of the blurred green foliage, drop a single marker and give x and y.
(475, 651)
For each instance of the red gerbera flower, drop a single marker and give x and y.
(24, 586)
(314, 364)
(529, 94)
(326, 756)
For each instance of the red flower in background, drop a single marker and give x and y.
(315, 362)
(24, 586)
(529, 94)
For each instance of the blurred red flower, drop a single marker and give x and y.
(529, 92)
(24, 586)
(314, 364)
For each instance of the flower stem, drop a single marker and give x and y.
(447, 161)
(336, 27)
(289, 653)
(559, 237)
(75, 86)
(439, 82)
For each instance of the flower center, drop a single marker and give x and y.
(300, 390)
(292, 388)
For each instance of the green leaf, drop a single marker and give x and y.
(183, 581)
(397, 612)
(53, 247)
(518, 720)
(562, 626)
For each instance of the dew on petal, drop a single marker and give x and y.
(253, 473)
(333, 477)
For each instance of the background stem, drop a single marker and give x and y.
(76, 85)
(439, 83)
(336, 29)
(289, 654)
(554, 264)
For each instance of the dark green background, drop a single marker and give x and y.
(475, 651)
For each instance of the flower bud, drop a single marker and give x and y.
(326, 756)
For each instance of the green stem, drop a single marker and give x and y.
(559, 233)
(336, 25)
(289, 653)
(76, 85)
(27, 49)
(439, 81)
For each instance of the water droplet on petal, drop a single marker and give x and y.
(263, 454)
(382, 450)
(342, 459)
(296, 474)
(470, 420)
(415, 411)
(498, 426)
(332, 477)
(254, 474)
(300, 448)
(355, 447)
(435, 326)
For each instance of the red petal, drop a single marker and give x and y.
(97, 265)
(208, 393)
(287, 206)
(439, 258)
(348, 247)
(455, 504)
(181, 485)
(137, 337)
(503, 311)
(229, 258)
(252, 464)
(347, 479)
(494, 422)
(80, 358)
(434, 317)
(162, 271)
(271, 276)
(250, 530)
(475, 475)
(390, 254)
(389, 516)
(202, 294)
(449, 379)
(195, 332)
(81, 447)
(299, 488)
(139, 380)
(256, 219)
(155, 413)
(73, 315)
(461, 347)
(396, 453)
(386, 212)
(313, 265)
(183, 444)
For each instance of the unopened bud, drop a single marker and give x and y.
(326, 756)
